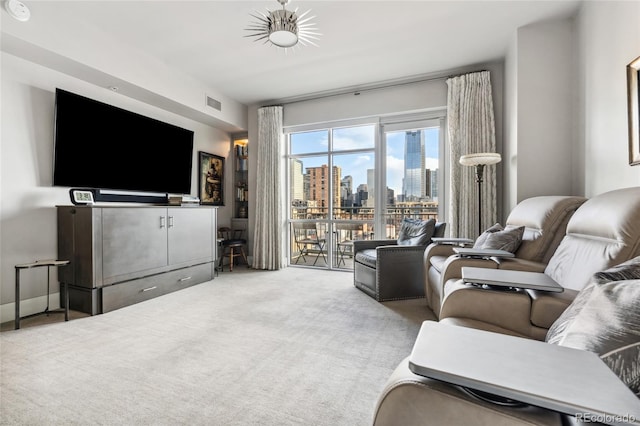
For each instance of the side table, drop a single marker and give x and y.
(38, 264)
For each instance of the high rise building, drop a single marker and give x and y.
(346, 191)
(414, 185)
(319, 185)
(371, 187)
(361, 195)
(297, 180)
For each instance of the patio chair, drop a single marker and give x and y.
(306, 239)
(346, 234)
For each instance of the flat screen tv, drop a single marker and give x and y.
(100, 146)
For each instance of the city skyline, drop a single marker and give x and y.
(360, 164)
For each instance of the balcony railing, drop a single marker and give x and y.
(364, 217)
(393, 216)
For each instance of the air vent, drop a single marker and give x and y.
(214, 103)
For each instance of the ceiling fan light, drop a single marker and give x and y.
(283, 28)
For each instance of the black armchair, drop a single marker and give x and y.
(393, 269)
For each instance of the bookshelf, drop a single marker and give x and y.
(241, 178)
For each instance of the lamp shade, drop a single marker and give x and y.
(480, 158)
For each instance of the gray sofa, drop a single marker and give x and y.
(603, 232)
(392, 269)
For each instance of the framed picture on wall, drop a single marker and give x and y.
(633, 97)
(211, 179)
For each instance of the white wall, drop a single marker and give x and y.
(510, 143)
(96, 57)
(609, 39)
(27, 210)
(540, 113)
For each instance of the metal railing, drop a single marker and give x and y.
(355, 215)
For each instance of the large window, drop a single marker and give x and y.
(359, 182)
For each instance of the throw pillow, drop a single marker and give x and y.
(416, 232)
(497, 238)
(629, 270)
(483, 237)
(605, 319)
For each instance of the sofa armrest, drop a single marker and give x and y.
(435, 249)
(509, 310)
(452, 268)
(359, 245)
(517, 264)
(399, 272)
(412, 400)
(547, 307)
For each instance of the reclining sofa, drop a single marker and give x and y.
(544, 219)
(602, 233)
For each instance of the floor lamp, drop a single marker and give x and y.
(479, 161)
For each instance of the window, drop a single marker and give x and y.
(358, 182)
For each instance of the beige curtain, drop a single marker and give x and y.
(267, 238)
(471, 129)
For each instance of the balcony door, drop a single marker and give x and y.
(358, 182)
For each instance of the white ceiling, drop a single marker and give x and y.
(363, 42)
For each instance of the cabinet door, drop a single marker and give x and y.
(133, 240)
(190, 234)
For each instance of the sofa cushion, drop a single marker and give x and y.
(367, 257)
(605, 319)
(499, 238)
(416, 232)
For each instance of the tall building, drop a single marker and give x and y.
(413, 184)
(371, 187)
(391, 198)
(431, 179)
(319, 185)
(361, 195)
(297, 180)
(346, 191)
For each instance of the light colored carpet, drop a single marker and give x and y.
(290, 347)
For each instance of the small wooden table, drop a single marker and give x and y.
(38, 264)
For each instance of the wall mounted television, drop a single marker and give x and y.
(104, 147)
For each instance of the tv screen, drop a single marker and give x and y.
(105, 147)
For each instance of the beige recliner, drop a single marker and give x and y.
(603, 232)
(545, 219)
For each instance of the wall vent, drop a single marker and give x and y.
(213, 103)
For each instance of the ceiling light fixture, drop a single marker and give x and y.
(283, 28)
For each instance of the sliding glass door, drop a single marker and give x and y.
(359, 182)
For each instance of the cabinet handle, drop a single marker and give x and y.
(149, 289)
(170, 221)
(162, 220)
(184, 279)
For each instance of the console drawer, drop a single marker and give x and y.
(130, 292)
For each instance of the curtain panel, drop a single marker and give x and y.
(267, 239)
(471, 129)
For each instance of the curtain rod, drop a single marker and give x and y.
(355, 91)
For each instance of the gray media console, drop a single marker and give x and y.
(121, 255)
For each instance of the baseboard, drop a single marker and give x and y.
(29, 306)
